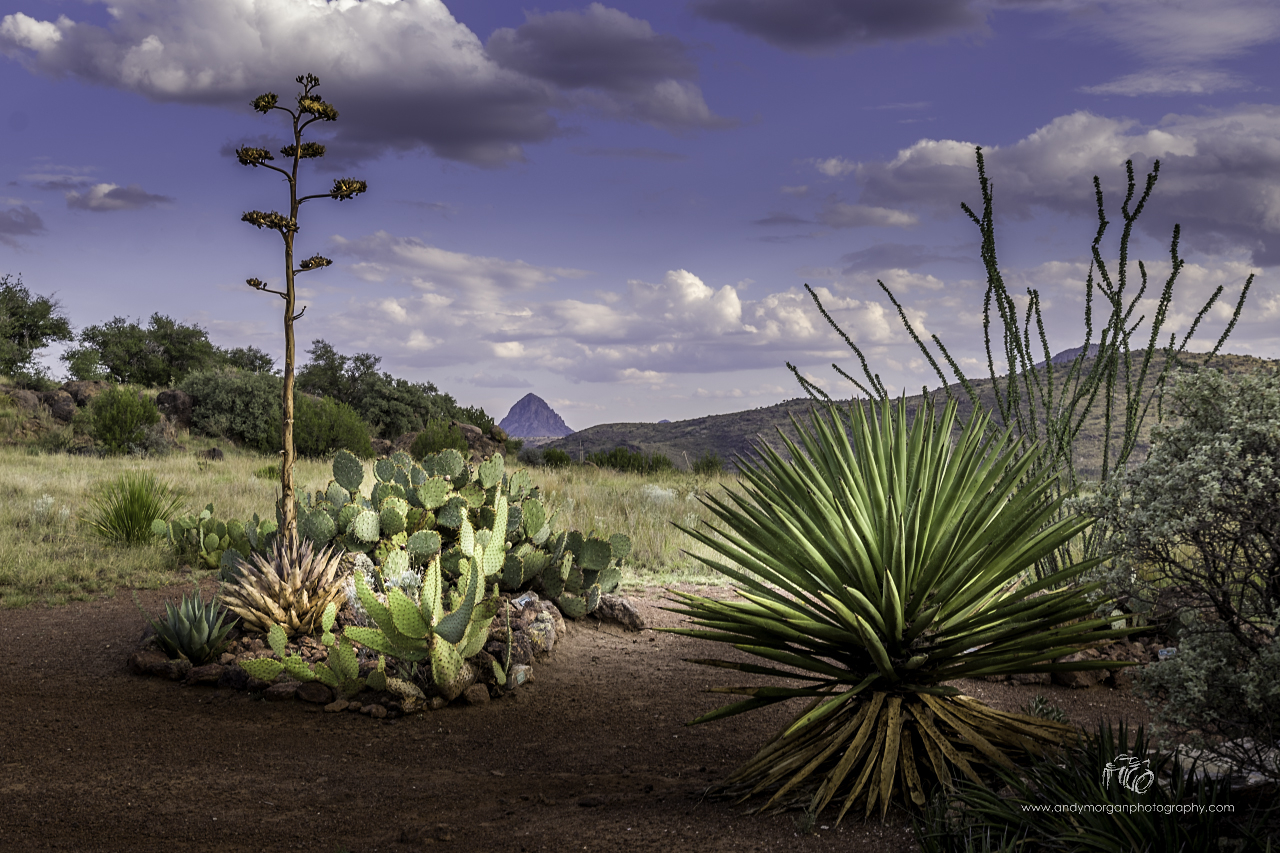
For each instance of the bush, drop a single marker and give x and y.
(554, 457)
(123, 509)
(120, 419)
(323, 427)
(1201, 516)
(708, 464)
(1179, 810)
(438, 435)
(632, 461)
(238, 406)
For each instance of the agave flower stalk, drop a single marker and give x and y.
(873, 567)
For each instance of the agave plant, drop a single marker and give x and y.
(193, 630)
(291, 588)
(875, 566)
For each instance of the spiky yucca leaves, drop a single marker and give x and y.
(882, 562)
(193, 630)
(291, 589)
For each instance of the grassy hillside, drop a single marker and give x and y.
(737, 433)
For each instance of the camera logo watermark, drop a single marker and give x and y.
(1133, 773)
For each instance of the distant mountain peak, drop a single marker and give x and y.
(531, 417)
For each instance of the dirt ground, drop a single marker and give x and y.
(593, 755)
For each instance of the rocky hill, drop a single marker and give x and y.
(738, 433)
(531, 417)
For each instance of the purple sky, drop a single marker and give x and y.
(616, 206)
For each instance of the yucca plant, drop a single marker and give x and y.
(291, 588)
(193, 630)
(876, 565)
(123, 508)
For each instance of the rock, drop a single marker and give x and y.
(227, 659)
(61, 404)
(84, 390)
(438, 702)
(315, 692)
(498, 434)
(382, 447)
(1080, 678)
(24, 399)
(176, 406)
(476, 694)
(1031, 678)
(142, 661)
(557, 618)
(520, 674)
(1122, 678)
(335, 707)
(620, 611)
(235, 678)
(542, 635)
(375, 710)
(210, 673)
(281, 691)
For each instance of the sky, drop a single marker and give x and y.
(616, 206)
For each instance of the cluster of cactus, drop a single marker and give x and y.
(414, 630)
(219, 545)
(341, 669)
(193, 630)
(416, 511)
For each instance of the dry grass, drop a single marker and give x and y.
(48, 555)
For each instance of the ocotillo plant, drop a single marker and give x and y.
(311, 108)
(1043, 402)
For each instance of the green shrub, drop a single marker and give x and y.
(707, 464)
(1179, 810)
(1202, 514)
(122, 509)
(436, 436)
(268, 472)
(120, 419)
(238, 406)
(323, 427)
(631, 461)
(554, 457)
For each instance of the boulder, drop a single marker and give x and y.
(315, 692)
(619, 611)
(61, 404)
(24, 399)
(281, 691)
(176, 406)
(1080, 678)
(210, 673)
(476, 694)
(84, 390)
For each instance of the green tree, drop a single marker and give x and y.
(250, 359)
(1045, 402)
(27, 325)
(310, 109)
(1201, 515)
(391, 405)
(160, 355)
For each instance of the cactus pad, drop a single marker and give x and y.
(348, 470)
(490, 472)
(384, 470)
(391, 517)
(404, 612)
(424, 543)
(337, 495)
(573, 606)
(433, 492)
(595, 554)
(365, 526)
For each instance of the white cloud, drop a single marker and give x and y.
(1177, 81)
(101, 198)
(1219, 177)
(838, 214)
(834, 167)
(436, 269)
(403, 74)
